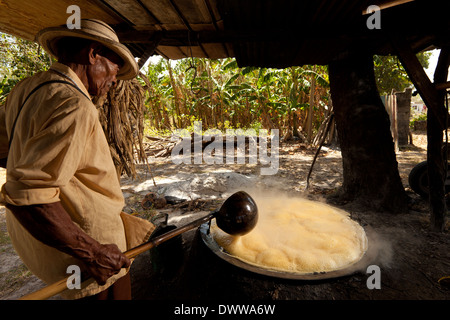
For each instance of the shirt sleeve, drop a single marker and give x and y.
(50, 157)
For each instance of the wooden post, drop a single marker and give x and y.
(436, 123)
(437, 166)
(403, 115)
(390, 103)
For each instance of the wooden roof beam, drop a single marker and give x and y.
(214, 21)
(148, 11)
(149, 51)
(180, 15)
(186, 24)
(221, 36)
(442, 86)
(111, 11)
(388, 4)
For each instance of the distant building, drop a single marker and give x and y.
(418, 107)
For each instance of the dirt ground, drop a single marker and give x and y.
(411, 258)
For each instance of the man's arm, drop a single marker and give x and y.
(52, 225)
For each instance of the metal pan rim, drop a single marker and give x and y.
(218, 251)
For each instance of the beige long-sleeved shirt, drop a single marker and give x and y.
(59, 153)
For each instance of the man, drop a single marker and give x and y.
(62, 194)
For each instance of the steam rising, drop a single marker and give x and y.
(379, 252)
(298, 235)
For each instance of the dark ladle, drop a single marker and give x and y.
(238, 215)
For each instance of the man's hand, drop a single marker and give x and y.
(52, 225)
(107, 261)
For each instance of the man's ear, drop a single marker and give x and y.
(93, 53)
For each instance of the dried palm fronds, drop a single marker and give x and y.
(160, 146)
(121, 114)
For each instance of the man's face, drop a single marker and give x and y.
(102, 72)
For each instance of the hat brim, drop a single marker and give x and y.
(48, 38)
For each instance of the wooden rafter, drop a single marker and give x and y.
(214, 22)
(443, 85)
(111, 11)
(180, 15)
(149, 51)
(419, 78)
(144, 7)
(389, 5)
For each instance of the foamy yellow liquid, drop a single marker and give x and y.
(297, 235)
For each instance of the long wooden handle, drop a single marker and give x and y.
(61, 285)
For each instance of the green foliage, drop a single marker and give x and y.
(420, 117)
(223, 96)
(390, 74)
(19, 59)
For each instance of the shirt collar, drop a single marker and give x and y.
(67, 72)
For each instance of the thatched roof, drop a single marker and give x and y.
(271, 33)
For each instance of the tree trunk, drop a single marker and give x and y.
(370, 168)
(177, 118)
(311, 108)
(295, 132)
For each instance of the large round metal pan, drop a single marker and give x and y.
(221, 253)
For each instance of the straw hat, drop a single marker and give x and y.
(94, 30)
